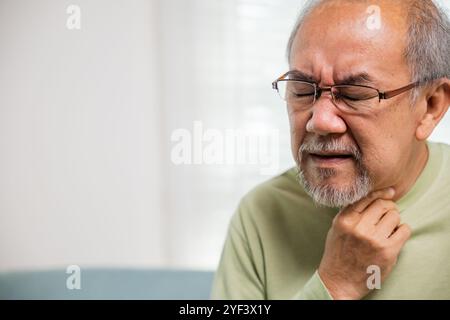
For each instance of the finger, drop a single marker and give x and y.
(401, 235)
(388, 224)
(376, 210)
(361, 205)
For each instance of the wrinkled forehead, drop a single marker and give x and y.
(351, 36)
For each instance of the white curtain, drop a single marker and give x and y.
(219, 59)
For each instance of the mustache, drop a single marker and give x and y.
(330, 145)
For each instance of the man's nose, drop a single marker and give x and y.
(325, 118)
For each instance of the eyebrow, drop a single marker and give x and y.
(299, 75)
(361, 78)
(357, 78)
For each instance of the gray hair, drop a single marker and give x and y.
(427, 51)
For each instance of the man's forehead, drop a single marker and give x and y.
(339, 39)
(390, 8)
(340, 22)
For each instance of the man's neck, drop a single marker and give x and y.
(412, 172)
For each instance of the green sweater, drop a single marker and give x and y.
(276, 240)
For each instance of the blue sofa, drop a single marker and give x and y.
(121, 284)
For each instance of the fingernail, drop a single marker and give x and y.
(391, 191)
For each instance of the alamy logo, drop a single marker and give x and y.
(74, 20)
(229, 147)
(374, 280)
(374, 20)
(73, 281)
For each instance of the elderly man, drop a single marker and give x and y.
(366, 213)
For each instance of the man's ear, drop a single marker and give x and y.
(437, 103)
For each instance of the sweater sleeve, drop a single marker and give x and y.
(237, 277)
(314, 289)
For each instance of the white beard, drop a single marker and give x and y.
(330, 196)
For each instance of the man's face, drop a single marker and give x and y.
(334, 43)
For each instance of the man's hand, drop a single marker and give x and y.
(363, 234)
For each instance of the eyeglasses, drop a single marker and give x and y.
(302, 95)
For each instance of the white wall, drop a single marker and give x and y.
(79, 135)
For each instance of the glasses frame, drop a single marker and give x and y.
(382, 95)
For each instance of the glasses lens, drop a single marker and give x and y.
(296, 92)
(355, 97)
